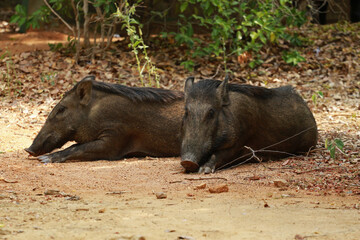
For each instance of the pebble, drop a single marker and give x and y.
(219, 188)
(200, 186)
(160, 195)
(280, 183)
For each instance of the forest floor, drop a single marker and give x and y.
(306, 197)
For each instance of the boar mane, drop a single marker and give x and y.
(208, 85)
(135, 94)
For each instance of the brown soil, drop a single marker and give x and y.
(117, 199)
(30, 41)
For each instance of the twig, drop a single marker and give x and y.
(8, 181)
(203, 178)
(57, 15)
(256, 157)
(178, 181)
(216, 73)
(262, 150)
(280, 168)
(319, 169)
(117, 192)
(86, 23)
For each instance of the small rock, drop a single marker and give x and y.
(4, 232)
(299, 237)
(200, 186)
(3, 196)
(160, 195)
(82, 209)
(280, 183)
(219, 188)
(102, 210)
(51, 192)
(137, 237)
(185, 237)
(72, 198)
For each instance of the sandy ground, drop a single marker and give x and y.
(117, 199)
(31, 41)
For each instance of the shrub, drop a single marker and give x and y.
(238, 26)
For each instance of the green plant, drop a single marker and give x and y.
(237, 26)
(48, 77)
(137, 43)
(68, 48)
(20, 17)
(188, 64)
(86, 16)
(315, 96)
(292, 57)
(11, 83)
(333, 145)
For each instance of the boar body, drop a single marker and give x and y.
(226, 124)
(110, 121)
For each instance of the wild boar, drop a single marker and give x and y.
(111, 121)
(225, 124)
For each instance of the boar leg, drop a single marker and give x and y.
(209, 166)
(95, 150)
(219, 159)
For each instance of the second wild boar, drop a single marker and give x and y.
(111, 121)
(226, 124)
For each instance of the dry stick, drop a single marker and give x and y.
(77, 37)
(86, 23)
(263, 150)
(102, 29)
(203, 178)
(256, 157)
(320, 169)
(94, 43)
(57, 15)
(178, 181)
(217, 71)
(332, 4)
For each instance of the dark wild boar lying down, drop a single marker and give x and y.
(110, 121)
(224, 123)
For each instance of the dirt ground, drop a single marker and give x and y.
(118, 199)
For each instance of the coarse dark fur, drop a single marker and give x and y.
(136, 94)
(111, 121)
(223, 123)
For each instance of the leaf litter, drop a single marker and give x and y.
(33, 82)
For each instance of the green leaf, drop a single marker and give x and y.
(183, 6)
(254, 36)
(272, 37)
(339, 144)
(332, 152)
(327, 143)
(314, 98)
(262, 38)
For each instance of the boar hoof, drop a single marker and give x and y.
(190, 166)
(206, 170)
(45, 159)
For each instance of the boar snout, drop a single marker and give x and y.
(33, 151)
(189, 163)
(30, 151)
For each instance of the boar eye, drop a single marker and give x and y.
(61, 110)
(186, 112)
(210, 114)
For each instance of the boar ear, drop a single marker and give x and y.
(222, 92)
(188, 84)
(83, 90)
